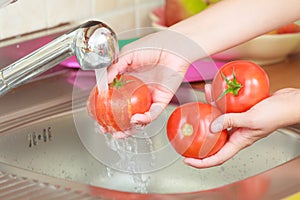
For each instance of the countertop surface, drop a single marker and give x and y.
(282, 75)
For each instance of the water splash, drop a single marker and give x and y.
(101, 78)
(132, 159)
(134, 154)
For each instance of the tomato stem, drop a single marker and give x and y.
(187, 129)
(233, 86)
(118, 82)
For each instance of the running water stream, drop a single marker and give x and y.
(131, 151)
(101, 79)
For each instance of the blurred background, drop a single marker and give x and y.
(29, 19)
(32, 16)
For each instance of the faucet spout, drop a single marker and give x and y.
(93, 43)
(95, 46)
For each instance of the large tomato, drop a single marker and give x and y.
(239, 85)
(126, 96)
(188, 130)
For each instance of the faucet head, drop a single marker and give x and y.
(95, 45)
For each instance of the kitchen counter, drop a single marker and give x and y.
(282, 75)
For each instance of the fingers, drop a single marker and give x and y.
(227, 152)
(225, 121)
(244, 135)
(119, 67)
(238, 141)
(208, 94)
(142, 119)
(231, 120)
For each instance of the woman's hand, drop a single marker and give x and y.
(161, 69)
(279, 110)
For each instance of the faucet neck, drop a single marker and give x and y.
(36, 63)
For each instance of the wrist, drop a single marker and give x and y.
(180, 45)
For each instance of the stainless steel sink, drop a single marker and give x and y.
(52, 145)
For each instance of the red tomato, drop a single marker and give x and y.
(126, 96)
(188, 130)
(239, 85)
(290, 28)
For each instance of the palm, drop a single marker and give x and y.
(162, 71)
(248, 127)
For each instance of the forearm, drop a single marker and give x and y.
(290, 106)
(279, 110)
(231, 22)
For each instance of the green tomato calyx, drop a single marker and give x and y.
(233, 86)
(119, 82)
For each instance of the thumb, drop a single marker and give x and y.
(155, 110)
(119, 67)
(208, 94)
(230, 120)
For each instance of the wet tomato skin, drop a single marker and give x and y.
(188, 130)
(125, 97)
(254, 86)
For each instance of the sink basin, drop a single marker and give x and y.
(68, 145)
(52, 147)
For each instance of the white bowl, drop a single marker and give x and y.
(265, 49)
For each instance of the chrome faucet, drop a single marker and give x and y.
(93, 43)
(4, 3)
